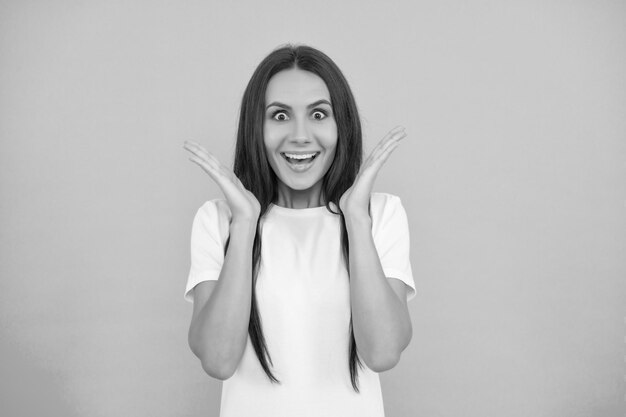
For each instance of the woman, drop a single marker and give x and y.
(301, 273)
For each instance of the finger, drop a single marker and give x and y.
(196, 149)
(221, 174)
(205, 155)
(385, 154)
(395, 138)
(385, 139)
(394, 131)
(397, 129)
(388, 136)
(221, 178)
(369, 169)
(393, 134)
(192, 144)
(208, 168)
(209, 162)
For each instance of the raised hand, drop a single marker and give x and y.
(243, 204)
(355, 201)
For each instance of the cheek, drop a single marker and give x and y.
(267, 137)
(330, 147)
(270, 139)
(331, 156)
(330, 139)
(273, 136)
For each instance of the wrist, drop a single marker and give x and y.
(357, 219)
(243, 226)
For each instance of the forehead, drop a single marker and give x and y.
(296, 86)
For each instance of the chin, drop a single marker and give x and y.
(300, 186)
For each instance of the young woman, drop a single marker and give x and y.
(300, 276)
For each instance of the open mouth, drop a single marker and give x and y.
(299, 159)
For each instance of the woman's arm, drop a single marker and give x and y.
(219, 327)
(218, 332)
(380, 317)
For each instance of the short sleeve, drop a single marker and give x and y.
(390, 231)
(209, 232)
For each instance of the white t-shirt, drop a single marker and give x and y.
(303, 297)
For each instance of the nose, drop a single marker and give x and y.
(300, 133)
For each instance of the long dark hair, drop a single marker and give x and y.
(253, 169)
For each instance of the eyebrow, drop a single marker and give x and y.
(279, 104)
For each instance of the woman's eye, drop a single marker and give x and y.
(280, 116)
(319, 115)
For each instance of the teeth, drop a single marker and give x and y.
(306, 156)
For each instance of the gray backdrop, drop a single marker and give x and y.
(513, 178)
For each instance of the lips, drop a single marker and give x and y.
(299, 158)
(299, 162)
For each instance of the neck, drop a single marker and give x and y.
(299, 199)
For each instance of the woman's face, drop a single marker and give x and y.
(299, 130)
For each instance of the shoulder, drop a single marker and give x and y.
(216, 207)
(214, 215)
(383, 202)
(386, 211)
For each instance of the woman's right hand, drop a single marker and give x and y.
(243, 204)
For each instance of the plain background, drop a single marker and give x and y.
(513, 177)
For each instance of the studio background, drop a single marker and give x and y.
(512, 174)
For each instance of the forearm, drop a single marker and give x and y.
(381, 324)
(219, 334)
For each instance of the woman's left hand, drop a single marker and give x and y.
(355, 201)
